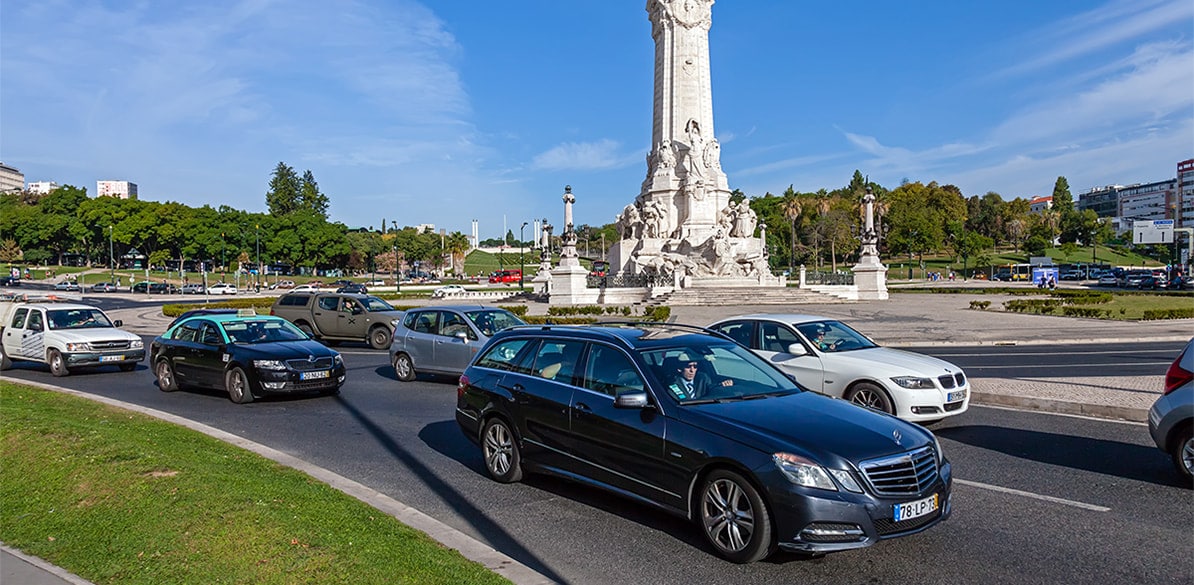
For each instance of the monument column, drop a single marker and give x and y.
(870, 275)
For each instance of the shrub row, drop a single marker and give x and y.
(1154, 314)
(1043, 306)
(980, 305)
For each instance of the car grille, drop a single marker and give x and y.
(102, 345)
(313, 385)
(303, 365)
(909, 473)
(952, 380)
(888, 526)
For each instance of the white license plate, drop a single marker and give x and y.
(315, 375)
(915, 509)
(111, 358)
(956, 396)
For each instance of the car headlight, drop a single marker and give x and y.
(937, 446)
(337, 360)
(269, 365)
(801, 471)
(136, 344)
(914, 383)
(77, 347)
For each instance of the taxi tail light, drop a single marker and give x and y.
(1177, 375)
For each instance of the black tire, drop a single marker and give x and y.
(5, 363)
(503, 460)
(167, 381)
(379, 338)
(127, 367)
(1183, 454)
(237, 385)
(871, 396)
(305, 328)
(734, 518)
(57, 363)
(404, 369)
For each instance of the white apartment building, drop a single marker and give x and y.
(1145, 202)
(42, 187)
(11, 180)
(1039, 204)
(121, 189)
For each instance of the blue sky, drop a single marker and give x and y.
(447, 111)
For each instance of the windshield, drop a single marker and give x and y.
(374, 304)
(493, 320)
(77, 319)
(834, 336)
(249, 331)
(716, 373)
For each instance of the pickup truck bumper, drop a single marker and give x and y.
(104, 358)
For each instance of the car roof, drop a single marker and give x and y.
(779, 317)
(458, 307)
(631, 335)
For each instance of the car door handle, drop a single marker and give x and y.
(583, 407)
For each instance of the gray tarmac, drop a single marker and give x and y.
(906, 319)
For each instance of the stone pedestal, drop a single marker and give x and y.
(567, 285)
(870, 276)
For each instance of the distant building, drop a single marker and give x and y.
(1184, 201)
(1039, 204)
(120, 189)
(11, 180)
(1147, 201)
(1167, 199)
(1103, 200)
(42, 187)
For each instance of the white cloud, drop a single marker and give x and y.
(587, 156)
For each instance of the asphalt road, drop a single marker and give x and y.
(1059, 361)
(1038, 498)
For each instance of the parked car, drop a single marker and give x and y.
(309, 287)
(447, 290)
(104, 287)
(1132, 278)
(354, 288)
(1072, 275)
(67, 285)
(341, 282)
(191, 289)
(245, 355)
(222, 288)
(10, 281)
(757, 463)
(1108, 279)
(444, 339)
(162, 288)
(827, 356)
(1171, 418)
(1181, 283)
(282, 284)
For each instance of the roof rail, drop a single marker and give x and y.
(39, 298)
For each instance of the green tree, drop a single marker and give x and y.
(284, 196)
(310, 198)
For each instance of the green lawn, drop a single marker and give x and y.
(117, 497)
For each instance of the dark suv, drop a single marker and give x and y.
(691, 422)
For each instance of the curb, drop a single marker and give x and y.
(1101, 411)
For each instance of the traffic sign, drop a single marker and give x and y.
(1158, 231)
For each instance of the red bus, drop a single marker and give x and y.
(505, 276)
(600, 268)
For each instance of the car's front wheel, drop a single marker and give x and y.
(403, 367)
(237, 385)
(871, 396)
(734, 518)
(165, 373)
(57, 364)
(503, 460)
(379, 338)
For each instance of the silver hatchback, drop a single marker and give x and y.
(444, 339)
(1171, 419)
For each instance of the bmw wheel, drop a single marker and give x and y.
(871, 396)
(503, 460)
(237, 384)
(734, 518)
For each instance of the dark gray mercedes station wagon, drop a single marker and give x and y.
(691, 422)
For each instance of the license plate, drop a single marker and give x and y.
(315, 375)
(111, 358)
(956, 396)
(915, 509)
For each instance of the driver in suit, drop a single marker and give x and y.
(695, 383)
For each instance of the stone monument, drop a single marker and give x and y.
(870, 275)
(683, 222)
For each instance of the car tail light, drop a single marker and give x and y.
(461, 385)
(271, 311)
(1177, 375)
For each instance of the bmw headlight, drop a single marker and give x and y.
(269, 365)
(914, 383)
(801, 471)
(136, 344)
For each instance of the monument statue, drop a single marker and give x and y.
(682, 220)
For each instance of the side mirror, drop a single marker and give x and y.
(797, 349)
(631, 400)
(118, 323)
(357, 310)
(461, 335)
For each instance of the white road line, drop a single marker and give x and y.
(1016, 492)
(1056, 366)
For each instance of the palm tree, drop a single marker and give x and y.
(791, 209)
(457, 244)
(1051, 218)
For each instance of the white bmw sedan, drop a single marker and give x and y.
(827, 356)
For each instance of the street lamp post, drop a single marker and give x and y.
(111, 258)
(223, 262)
(258, 279)
(397, 266)
(521, 262)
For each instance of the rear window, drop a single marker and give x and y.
(294, 301)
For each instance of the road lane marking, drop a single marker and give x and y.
(1043, 497)
(1054, 366)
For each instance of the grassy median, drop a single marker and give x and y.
(118, 497)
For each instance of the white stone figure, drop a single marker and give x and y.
(745, 220)
(629, 225)
(650, 214)
(713, 154)
(665, 158)
(722, 255)
(694, 160)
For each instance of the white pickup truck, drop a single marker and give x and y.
(63, 335)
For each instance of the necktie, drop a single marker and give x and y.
(688, 385)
